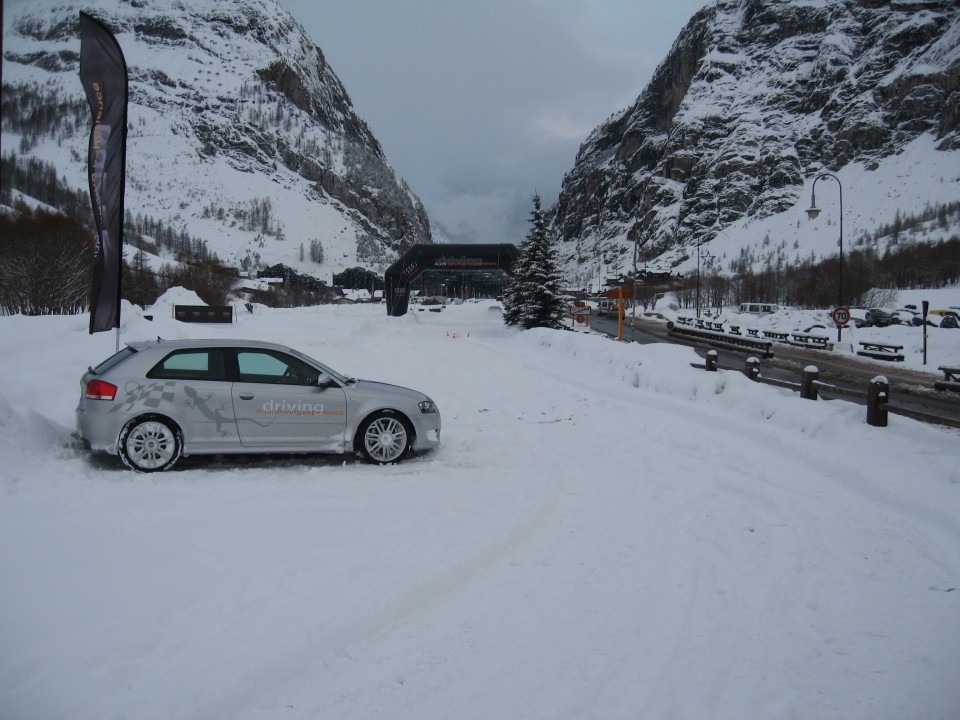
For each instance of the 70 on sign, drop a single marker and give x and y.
(841, 316)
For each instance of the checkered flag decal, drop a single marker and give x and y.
(150, 396)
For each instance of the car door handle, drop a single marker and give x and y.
(246, 396)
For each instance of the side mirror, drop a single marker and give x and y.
(324, 380)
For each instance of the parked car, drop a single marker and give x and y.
(949, 321)
(874, 317)
(941, 321)
(858, 316)
(944, 312)
(153, 402)
(905, 316)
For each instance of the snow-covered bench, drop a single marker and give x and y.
(881, 351)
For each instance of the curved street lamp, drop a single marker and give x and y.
(812, 212)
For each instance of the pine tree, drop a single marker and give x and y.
(139, 283)
(533, 299)
(514, 298)
(316, 251)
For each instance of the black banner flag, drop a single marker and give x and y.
(103, 73)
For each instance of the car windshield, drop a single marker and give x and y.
(339, 377)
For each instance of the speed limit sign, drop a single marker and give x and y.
(841, 315)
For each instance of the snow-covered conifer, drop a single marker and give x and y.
(533, 299)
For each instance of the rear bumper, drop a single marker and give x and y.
(97, 430)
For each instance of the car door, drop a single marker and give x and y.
(191, 385)
(279, 404)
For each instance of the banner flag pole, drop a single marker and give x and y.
(103, 72)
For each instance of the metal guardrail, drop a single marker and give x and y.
(951, 379)
(723, 340)
(876, 396)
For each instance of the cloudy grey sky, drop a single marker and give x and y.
(480, 103)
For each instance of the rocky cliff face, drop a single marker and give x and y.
(231, 106)
(755, 97)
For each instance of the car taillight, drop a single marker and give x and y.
(100, 390)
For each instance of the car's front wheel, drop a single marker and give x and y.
(150, 444)
(384, 438)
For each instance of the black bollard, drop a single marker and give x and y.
(752, 368)
(712, 360)
(808, 382)
(878, 394)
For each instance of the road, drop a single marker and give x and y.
(908, 388)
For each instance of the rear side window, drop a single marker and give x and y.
(113, 360)
(203, 364)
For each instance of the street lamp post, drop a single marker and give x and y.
(812, 213)
(633, 318)
(698, 277)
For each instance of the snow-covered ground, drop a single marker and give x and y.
(605, 532)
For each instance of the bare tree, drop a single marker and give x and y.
(46, 262)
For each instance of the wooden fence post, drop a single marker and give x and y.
(808, 382)
(752, 368)
(878, 394)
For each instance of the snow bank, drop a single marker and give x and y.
(604, 532)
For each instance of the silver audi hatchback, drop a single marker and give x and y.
(153, 402)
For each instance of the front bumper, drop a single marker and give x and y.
(427, 428)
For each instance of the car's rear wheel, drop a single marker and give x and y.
(150, 444)
(384, 438)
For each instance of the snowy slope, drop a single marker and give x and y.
(232, 108)
(754, 100)
(605, 532)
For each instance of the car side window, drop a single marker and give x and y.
(262, 366)
(203, 364)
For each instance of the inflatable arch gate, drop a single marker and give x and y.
(420, 258)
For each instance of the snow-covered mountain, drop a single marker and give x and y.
(755, 98)
(240, 134)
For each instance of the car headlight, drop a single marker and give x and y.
(428, 406)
